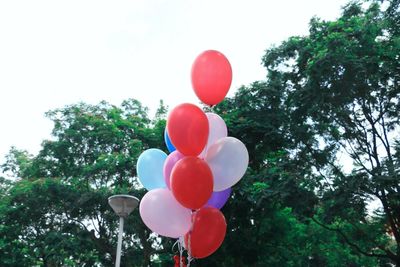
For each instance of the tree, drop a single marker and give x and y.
(341, 95)
(56, 212)
(268, 215)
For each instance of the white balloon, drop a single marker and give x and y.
(162, 213)
(228, 159)
(217, 130)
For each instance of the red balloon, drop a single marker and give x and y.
(208, 232)
(211, 77)
(192, 182)
(188, 129)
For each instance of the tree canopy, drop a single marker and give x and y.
(56, 213)
(341, 97)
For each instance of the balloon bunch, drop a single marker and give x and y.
(188, 187)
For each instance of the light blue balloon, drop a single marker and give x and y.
(149, 168)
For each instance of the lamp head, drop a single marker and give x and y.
(123, 205)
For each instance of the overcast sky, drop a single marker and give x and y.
(54, 53)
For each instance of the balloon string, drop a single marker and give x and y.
(174, 245)
(190, 259)
(180, 250)
(180, 253)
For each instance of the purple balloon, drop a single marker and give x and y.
(169, 163)
(218, 199)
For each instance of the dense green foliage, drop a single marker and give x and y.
(322, 132)
(341, 98)
(56, 213)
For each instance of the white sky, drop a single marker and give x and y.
(54, 53)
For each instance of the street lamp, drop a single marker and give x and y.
(122, 205)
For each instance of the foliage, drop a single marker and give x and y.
(341, 96)
(56, 212)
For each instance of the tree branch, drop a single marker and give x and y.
(388, 253)
(356, 157)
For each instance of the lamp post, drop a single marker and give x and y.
(122, 205)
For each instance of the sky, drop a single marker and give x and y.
(57, 53)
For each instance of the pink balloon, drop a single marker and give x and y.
(163, 214)
(217, 130)
(169, 163)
